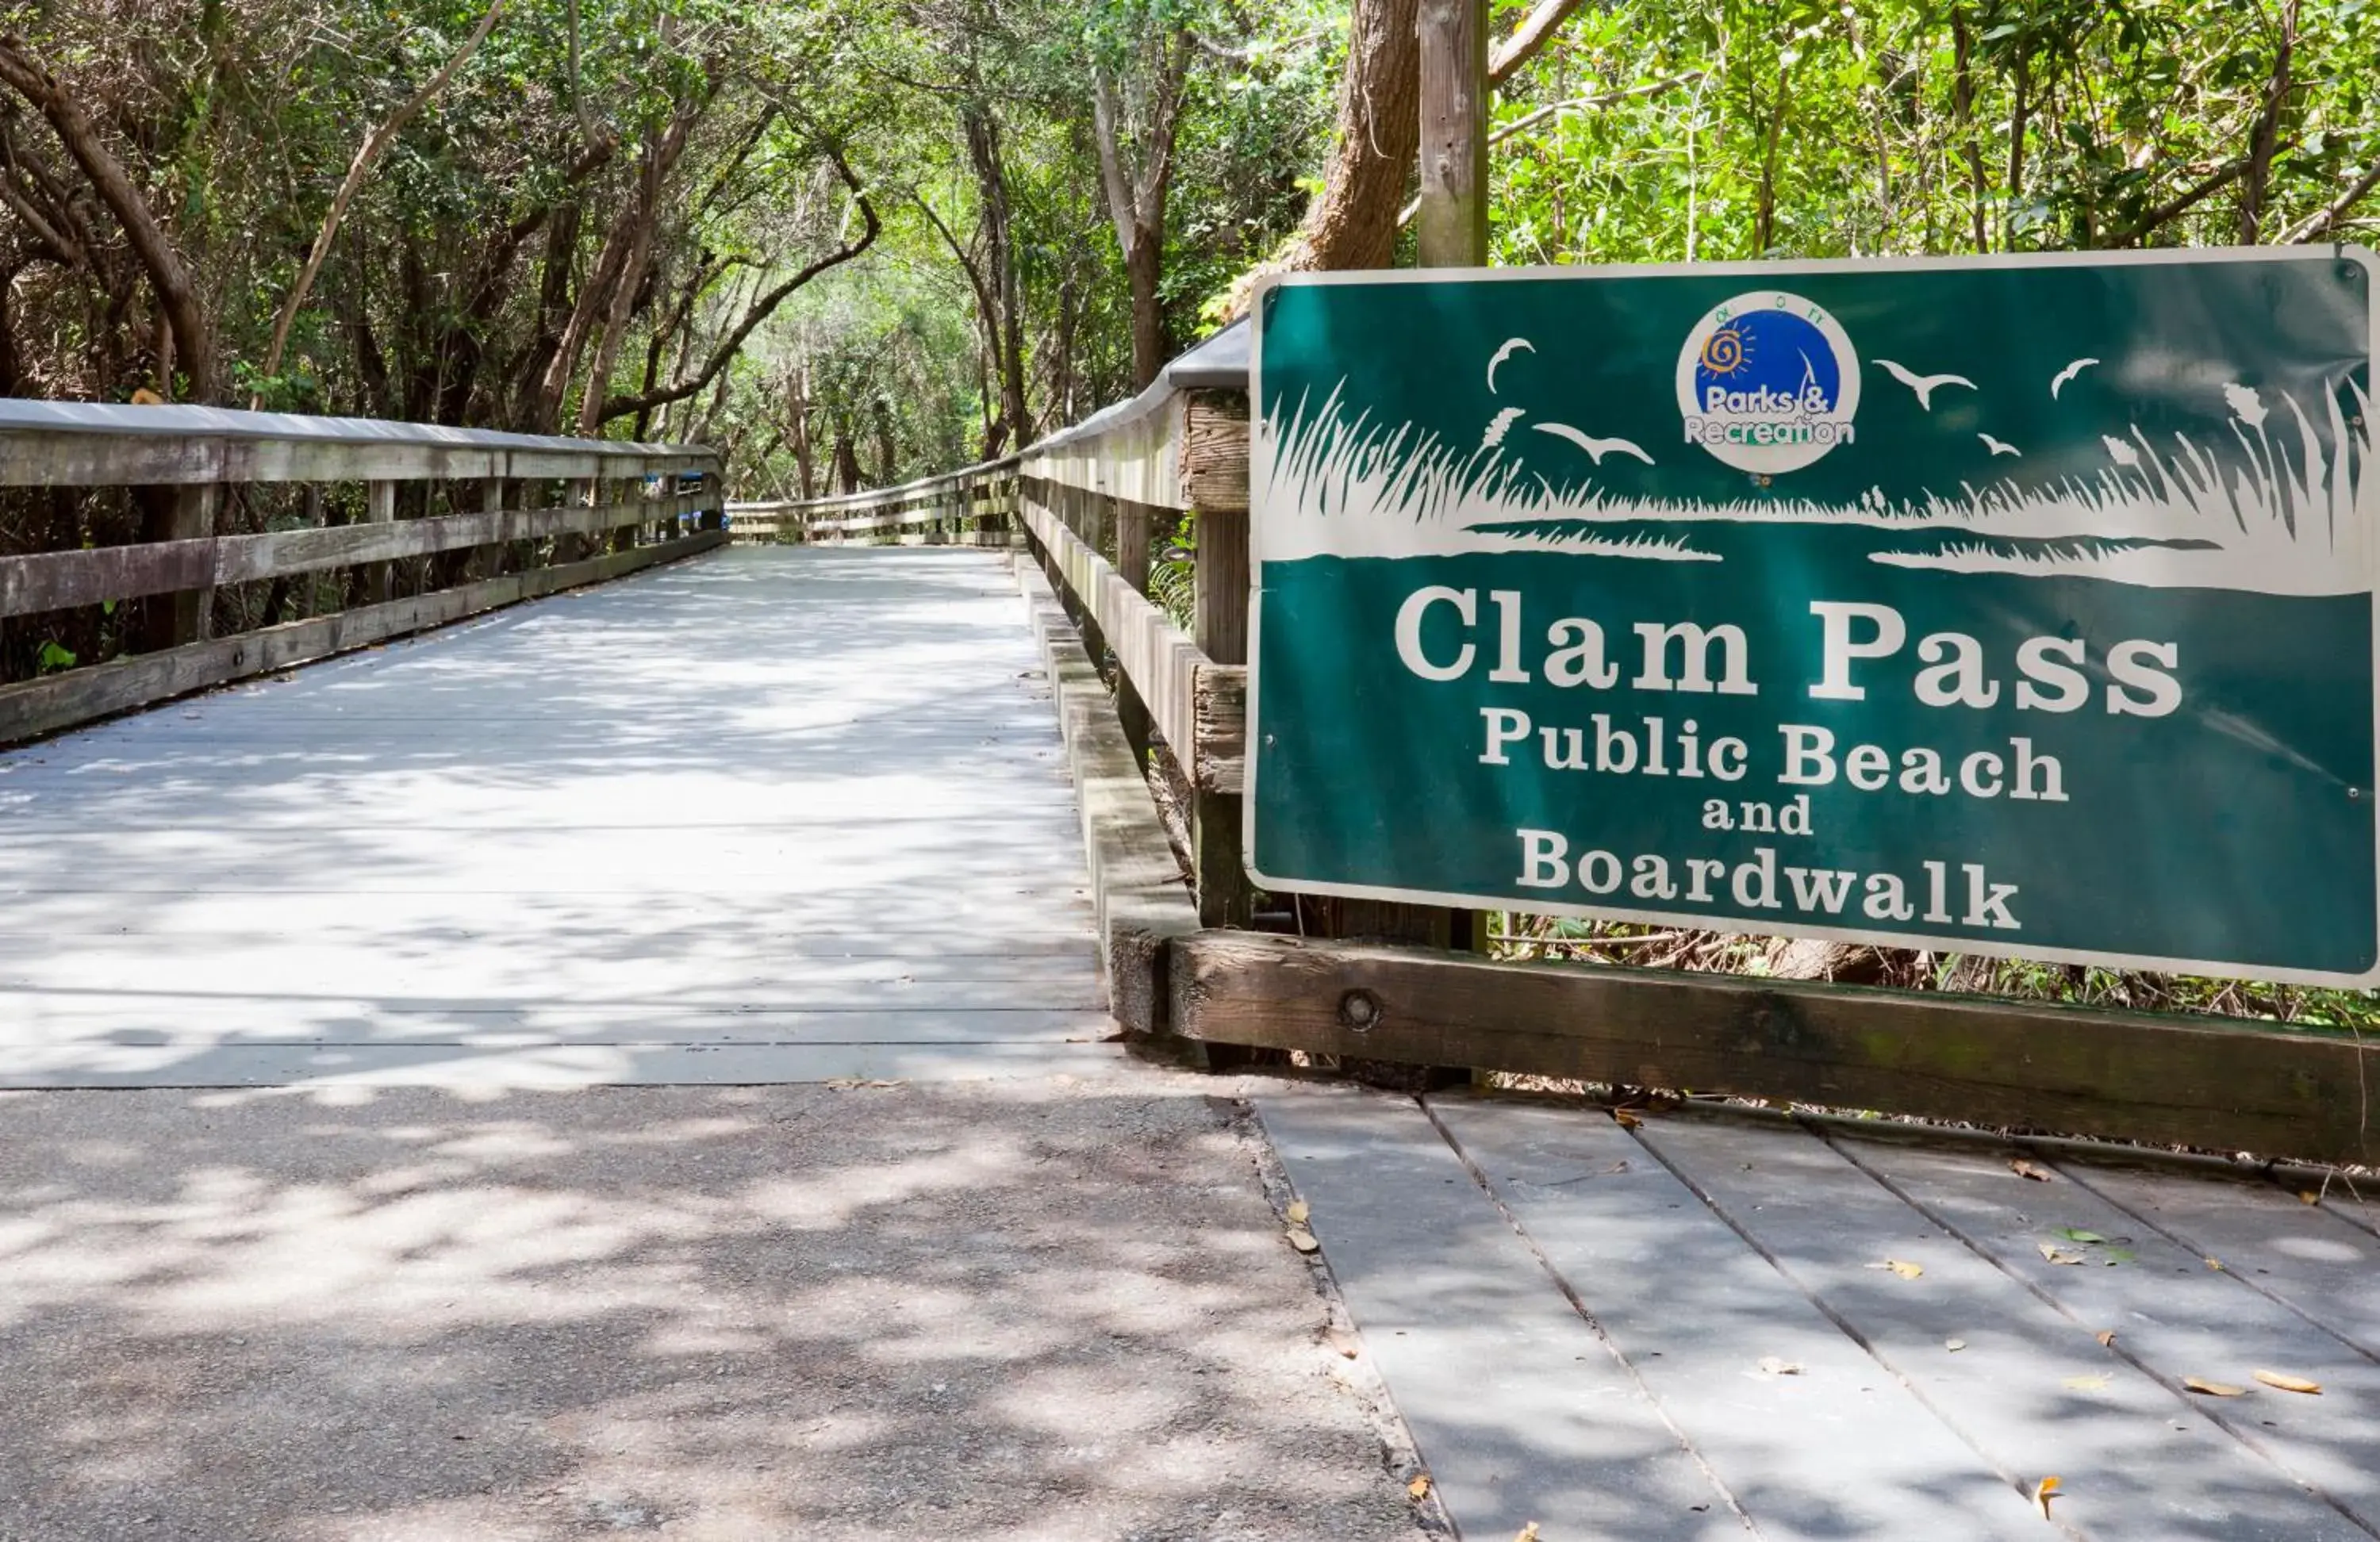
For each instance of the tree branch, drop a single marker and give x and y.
(369, 152)
(25, 74)
(1544, 19)
(762, 307)
(2323, 219)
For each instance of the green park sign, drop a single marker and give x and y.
(2020, 606)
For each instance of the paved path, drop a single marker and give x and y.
(768, 815)
(1703, 1327)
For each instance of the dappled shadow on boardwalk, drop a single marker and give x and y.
(685, 807)
(710, 1313)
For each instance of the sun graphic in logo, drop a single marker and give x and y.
(1727, 352)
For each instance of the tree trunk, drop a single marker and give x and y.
(991, 179)
(194, 336)
(2265, 141)
(1353, 223)
(880, 415)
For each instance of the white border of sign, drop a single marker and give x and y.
(1260, 481)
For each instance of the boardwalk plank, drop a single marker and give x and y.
(2307, 1257)
(1518, 1407)
(2173, 1314)
(1838, 1447)
(636, 832)
(2026, 1389)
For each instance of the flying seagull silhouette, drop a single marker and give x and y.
(1596, 448)
(2058, 382)
(2000, 446)
(1925, 385)
(1512, 346)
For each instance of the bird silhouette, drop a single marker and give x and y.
(2058, 382)
(2000, 446)
(1925, 385)
(1512, 346)
(1596, 448)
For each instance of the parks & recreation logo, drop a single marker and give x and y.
(1767, 383)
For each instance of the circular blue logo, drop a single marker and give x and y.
(1767, 383)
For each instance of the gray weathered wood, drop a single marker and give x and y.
(1450, 228)
(93, 444)
(2307, 1257)
(1696, 1311)
(1161, 662)
(34, 707)
(1133, 534)
(1519, 1408)
(2028, 1387)
(53, 581)
(678, 828)
(1220, 580)
(2187, 1080)
(2174, 1314)
(1215, 451)
(1137, 888)
(1220, 700)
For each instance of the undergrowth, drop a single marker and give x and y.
(1562, 938)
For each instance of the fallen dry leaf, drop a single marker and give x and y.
(2215, 1263)
(1774, 1367)
(1419, 1488)
(1298, 1212)
(854, 1084)
(1528, 1533)
(1901, 1267)
(1625, 1119)
(2287, 1383)
(2093, 1382)
(2212, 1388)
(2308, 1196)
(2105, 1336)
(2025, 1169)
(1302, 1239)
(2058, 1254)
(2044, 1491)
(1954, 1345)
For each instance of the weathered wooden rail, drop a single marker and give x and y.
(524, 515)
(1187, 960)
(973, 507)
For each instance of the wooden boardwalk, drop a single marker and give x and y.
(771, 814)
(1711, 1326)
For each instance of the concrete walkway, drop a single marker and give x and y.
(1010, 1310)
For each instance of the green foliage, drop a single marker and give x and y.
(1731, 129)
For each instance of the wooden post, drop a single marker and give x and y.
(1451, 227)
(1215, 445)
(484, 562)
(1132, 526)
(380, 506)
(185, 512)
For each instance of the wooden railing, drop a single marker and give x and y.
(1191, 960)
(523, 516)
(973, 508)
